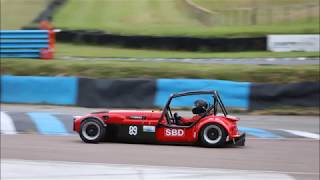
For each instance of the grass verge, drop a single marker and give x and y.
(125, 69)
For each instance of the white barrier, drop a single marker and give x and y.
(286, 43)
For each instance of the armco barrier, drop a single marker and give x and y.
(233, 94)
(27, 44)
(39, 90)
(150, 93)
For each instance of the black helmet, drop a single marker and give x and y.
(199, 106)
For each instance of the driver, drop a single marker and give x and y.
(200, 106)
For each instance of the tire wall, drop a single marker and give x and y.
(168, 43)
(116, 93)
(151, 93)
(263, 95)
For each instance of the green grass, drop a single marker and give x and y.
(161, 18)
(64, 49)
(148, 17)
(18, 13)
(125, 69)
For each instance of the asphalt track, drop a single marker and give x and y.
(302, 123)
(257, 61)
(295, 157)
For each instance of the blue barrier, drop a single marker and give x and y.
(64, 90)
(233, 94)
(70, 91)
(22, 46)
(35, 89)
(10, 41)
(26, 44)
(31, 53)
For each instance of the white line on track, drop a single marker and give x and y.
(302, 134)
(7, 126)
(45, 170)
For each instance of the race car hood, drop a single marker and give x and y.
(147, 114)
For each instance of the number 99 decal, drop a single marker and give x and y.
(133, 130)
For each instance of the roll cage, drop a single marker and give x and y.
(167, 113)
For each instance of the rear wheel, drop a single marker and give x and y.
(92, 131)
(213, 135)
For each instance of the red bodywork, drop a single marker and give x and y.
(152, 122)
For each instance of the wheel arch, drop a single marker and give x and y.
(202, 124)
(96, 118)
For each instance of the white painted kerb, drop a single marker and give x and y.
(7, 126)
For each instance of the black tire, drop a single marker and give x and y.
(213, 135)
(92, 131)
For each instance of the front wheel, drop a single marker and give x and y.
(92, 131)
(213, 135)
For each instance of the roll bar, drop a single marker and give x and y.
(214, 94)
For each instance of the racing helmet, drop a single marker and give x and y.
(199, 106)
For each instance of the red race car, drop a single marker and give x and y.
(210, 126)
